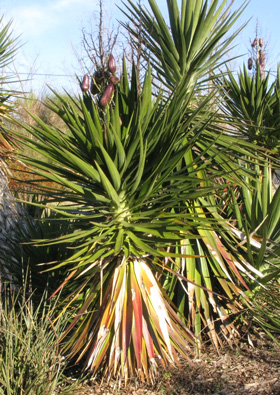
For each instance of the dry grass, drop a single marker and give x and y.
(244, 370)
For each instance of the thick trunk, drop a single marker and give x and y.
(9, 218)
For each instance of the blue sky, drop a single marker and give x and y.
(50, 29)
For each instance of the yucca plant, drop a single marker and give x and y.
(8, 49)
(124, 188)
(22, 256)
(255, 209)
(253, 104)
(263, 311)
(195, 44)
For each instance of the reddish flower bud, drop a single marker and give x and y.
(107, 95)
(85, 83)
(250, 63)
(112, 64)
(254, 43)
(114, 80)
(261, 42)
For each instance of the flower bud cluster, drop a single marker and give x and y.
(99, 79)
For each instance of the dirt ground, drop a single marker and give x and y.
(248, 369)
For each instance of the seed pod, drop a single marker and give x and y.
(114, 80)
(107, 95)
(254, 43)
(85, 83)
(261, 42)
(112, 64)
(250, 63)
